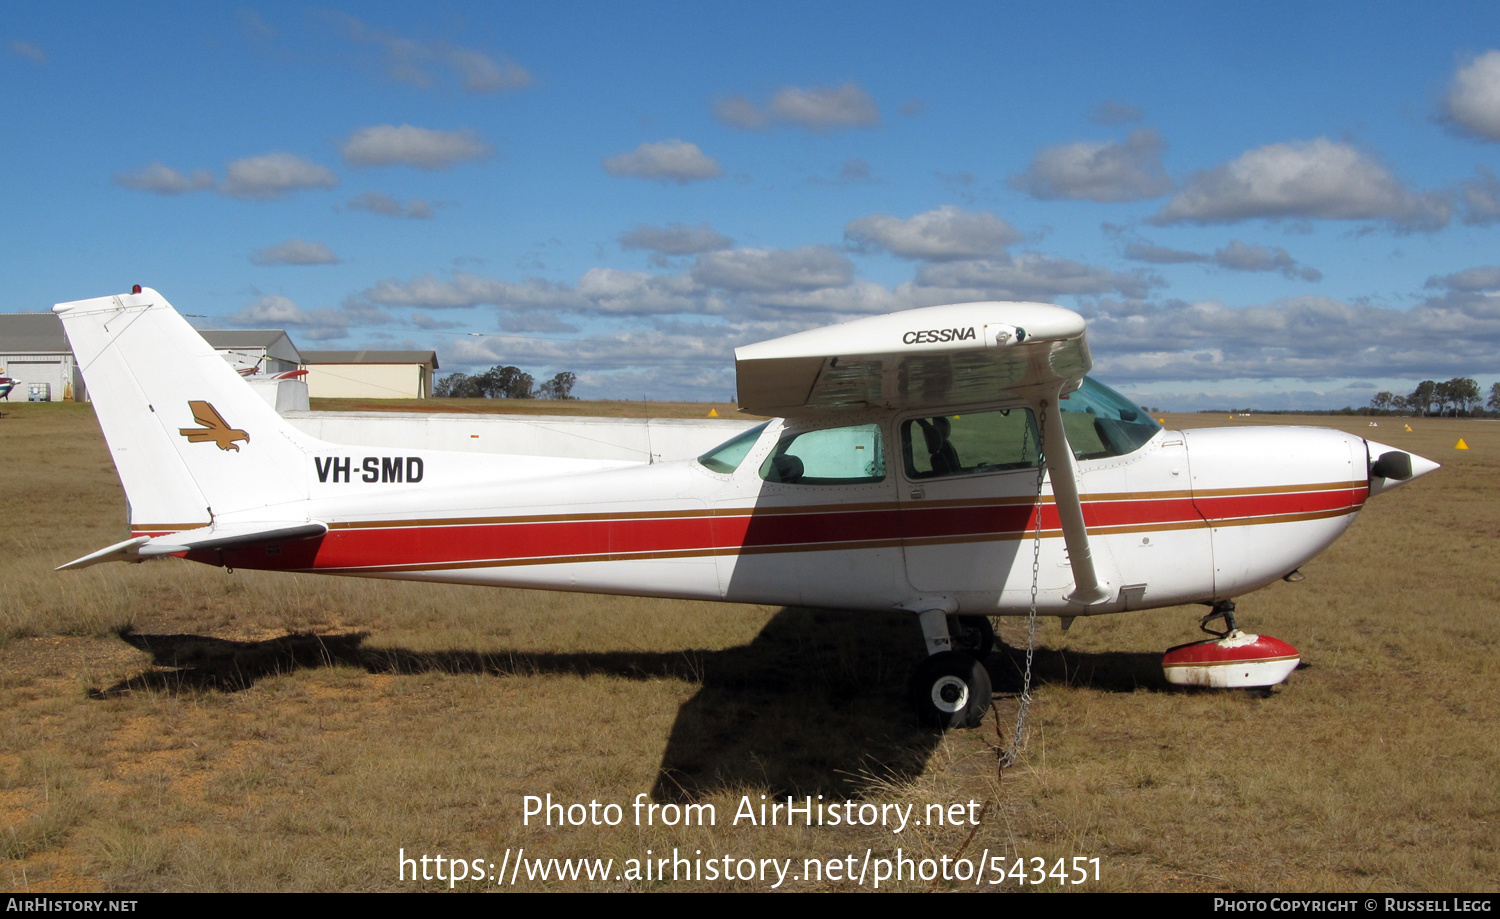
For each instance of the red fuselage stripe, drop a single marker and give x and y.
(409, 544)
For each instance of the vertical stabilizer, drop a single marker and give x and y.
(190, 438)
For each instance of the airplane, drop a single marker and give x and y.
(954, 462)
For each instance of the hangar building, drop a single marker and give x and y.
(370, 374)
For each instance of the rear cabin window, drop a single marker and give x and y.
(833, 456)
(970, 442)
(726, 457)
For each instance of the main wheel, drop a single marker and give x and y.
(973, 635)
(950, 690)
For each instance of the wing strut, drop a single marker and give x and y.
(1064, 473)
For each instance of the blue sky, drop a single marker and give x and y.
(1278, 205)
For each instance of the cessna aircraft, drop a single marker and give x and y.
(953, 461)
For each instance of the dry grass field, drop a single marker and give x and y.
(170, 726)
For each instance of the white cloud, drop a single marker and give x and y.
(484, 74)
(822, 108)
(1237, 256)
(536, 323)
(274, 175)
(421, 148)
(429, 324)
(26, 49)
(1029, 277)
(1307, 338)
(1473, 101)
(599, 290)
(1163, 255)
(1317, 179)
(1480, 198)
(1484, 277)
(274, 310)
(945, 234)
(164, 180)
(295, 252)
(419, 63)
(376, 203)
(854, 169)
(816, 108)
(675, 239)
(739, 112)
(764, 270)
(1107, 172)
(1110, 112)
(668, 161)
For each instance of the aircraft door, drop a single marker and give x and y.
(968, 485)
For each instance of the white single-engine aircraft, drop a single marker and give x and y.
(953, 461)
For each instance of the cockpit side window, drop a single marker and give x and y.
(971, 442)
(832, 456)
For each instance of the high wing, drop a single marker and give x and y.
(940, 356)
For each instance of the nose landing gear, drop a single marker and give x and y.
(1231, 660)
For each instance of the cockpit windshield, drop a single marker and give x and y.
(1102, 423)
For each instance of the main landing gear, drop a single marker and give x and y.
(951, 688)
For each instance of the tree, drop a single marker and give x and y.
(498, 382)
(1464, 391)
(1382, 401)
(506, 383)
(1422, 397)
(559, 387)
(1494, 402)
(457, 386)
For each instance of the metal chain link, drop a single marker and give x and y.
(1008, 758)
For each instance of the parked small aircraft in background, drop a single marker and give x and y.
(953, 461)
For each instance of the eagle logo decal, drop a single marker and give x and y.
(215, 428)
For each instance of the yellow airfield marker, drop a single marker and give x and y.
(1161, 421)
(713, 413)
(1408, 427)
(1460, 445)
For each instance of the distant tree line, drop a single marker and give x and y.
(504, 382)
(1456, 397)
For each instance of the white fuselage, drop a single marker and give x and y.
(1190, 516)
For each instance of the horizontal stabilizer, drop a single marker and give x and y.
(227, 536)
(127, 551)
(231, 537)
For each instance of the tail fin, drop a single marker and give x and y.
(190, 438)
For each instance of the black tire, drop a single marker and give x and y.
(973, 635)
(950, 690)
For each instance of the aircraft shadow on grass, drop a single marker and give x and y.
(810, 706)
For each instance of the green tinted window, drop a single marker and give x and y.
(726, 457)
(969, 442)
(1100, 422)
(834, 456)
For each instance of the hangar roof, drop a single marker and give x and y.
(371, 357)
